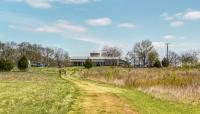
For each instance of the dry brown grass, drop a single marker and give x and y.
(178, 84)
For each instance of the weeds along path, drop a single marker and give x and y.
(100, 100)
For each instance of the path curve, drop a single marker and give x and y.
(101, 100)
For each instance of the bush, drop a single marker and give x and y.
(157, 63)
(165, 62)
(23, 63)
(6, 65)
(88, 64)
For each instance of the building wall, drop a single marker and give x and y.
(99, 62)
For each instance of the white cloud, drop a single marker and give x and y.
(77, 1)
(173, 19)
(179, 19)
(192, 15)
(159, 44)
(127, 25)
(48, 3)
(187, 15)
(176, 24)
(100, 21)
(169, 37)
(38, 3)
(167, 17)
(179, 15)
(92, 39)
(59, 26)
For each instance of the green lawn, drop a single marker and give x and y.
(38, 91)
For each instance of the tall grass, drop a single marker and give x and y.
(177, 84)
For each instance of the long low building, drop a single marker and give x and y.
(97, 60)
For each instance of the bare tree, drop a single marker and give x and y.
(132, 58)
(22, 47)
(48, 55)
(66, 59)
(9, 51)
(174, 59)
(1, 49)
(142, 49)
(111, 51)
(61, 57)
(34, 52)
(189, 58)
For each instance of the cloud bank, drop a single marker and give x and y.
(44, 4)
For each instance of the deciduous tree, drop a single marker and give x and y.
(109, 51)
(142, 49)
(152, 57)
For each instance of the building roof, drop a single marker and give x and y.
(80, 57)
(93, 58)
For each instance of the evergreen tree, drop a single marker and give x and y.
(88, 63)
(165, 62)
(23, 63)
(6, 65)
(157, 63)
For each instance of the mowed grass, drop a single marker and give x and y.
(38, 91)
(146, 104)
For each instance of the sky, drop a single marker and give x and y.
(82, 26)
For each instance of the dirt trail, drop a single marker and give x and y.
(101, 100)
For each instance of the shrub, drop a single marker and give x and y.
(88, 64)
(6, 65)
(165, 62)
(157, 63)
(23, 63)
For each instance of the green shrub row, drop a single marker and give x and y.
(7, 65)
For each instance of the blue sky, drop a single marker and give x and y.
(81, 26)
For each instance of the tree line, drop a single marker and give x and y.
(144, 54)
(35, 53)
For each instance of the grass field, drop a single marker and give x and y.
(38, 91)
(175, 84)
(142, 103)
(138, 101)
(43, 91)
